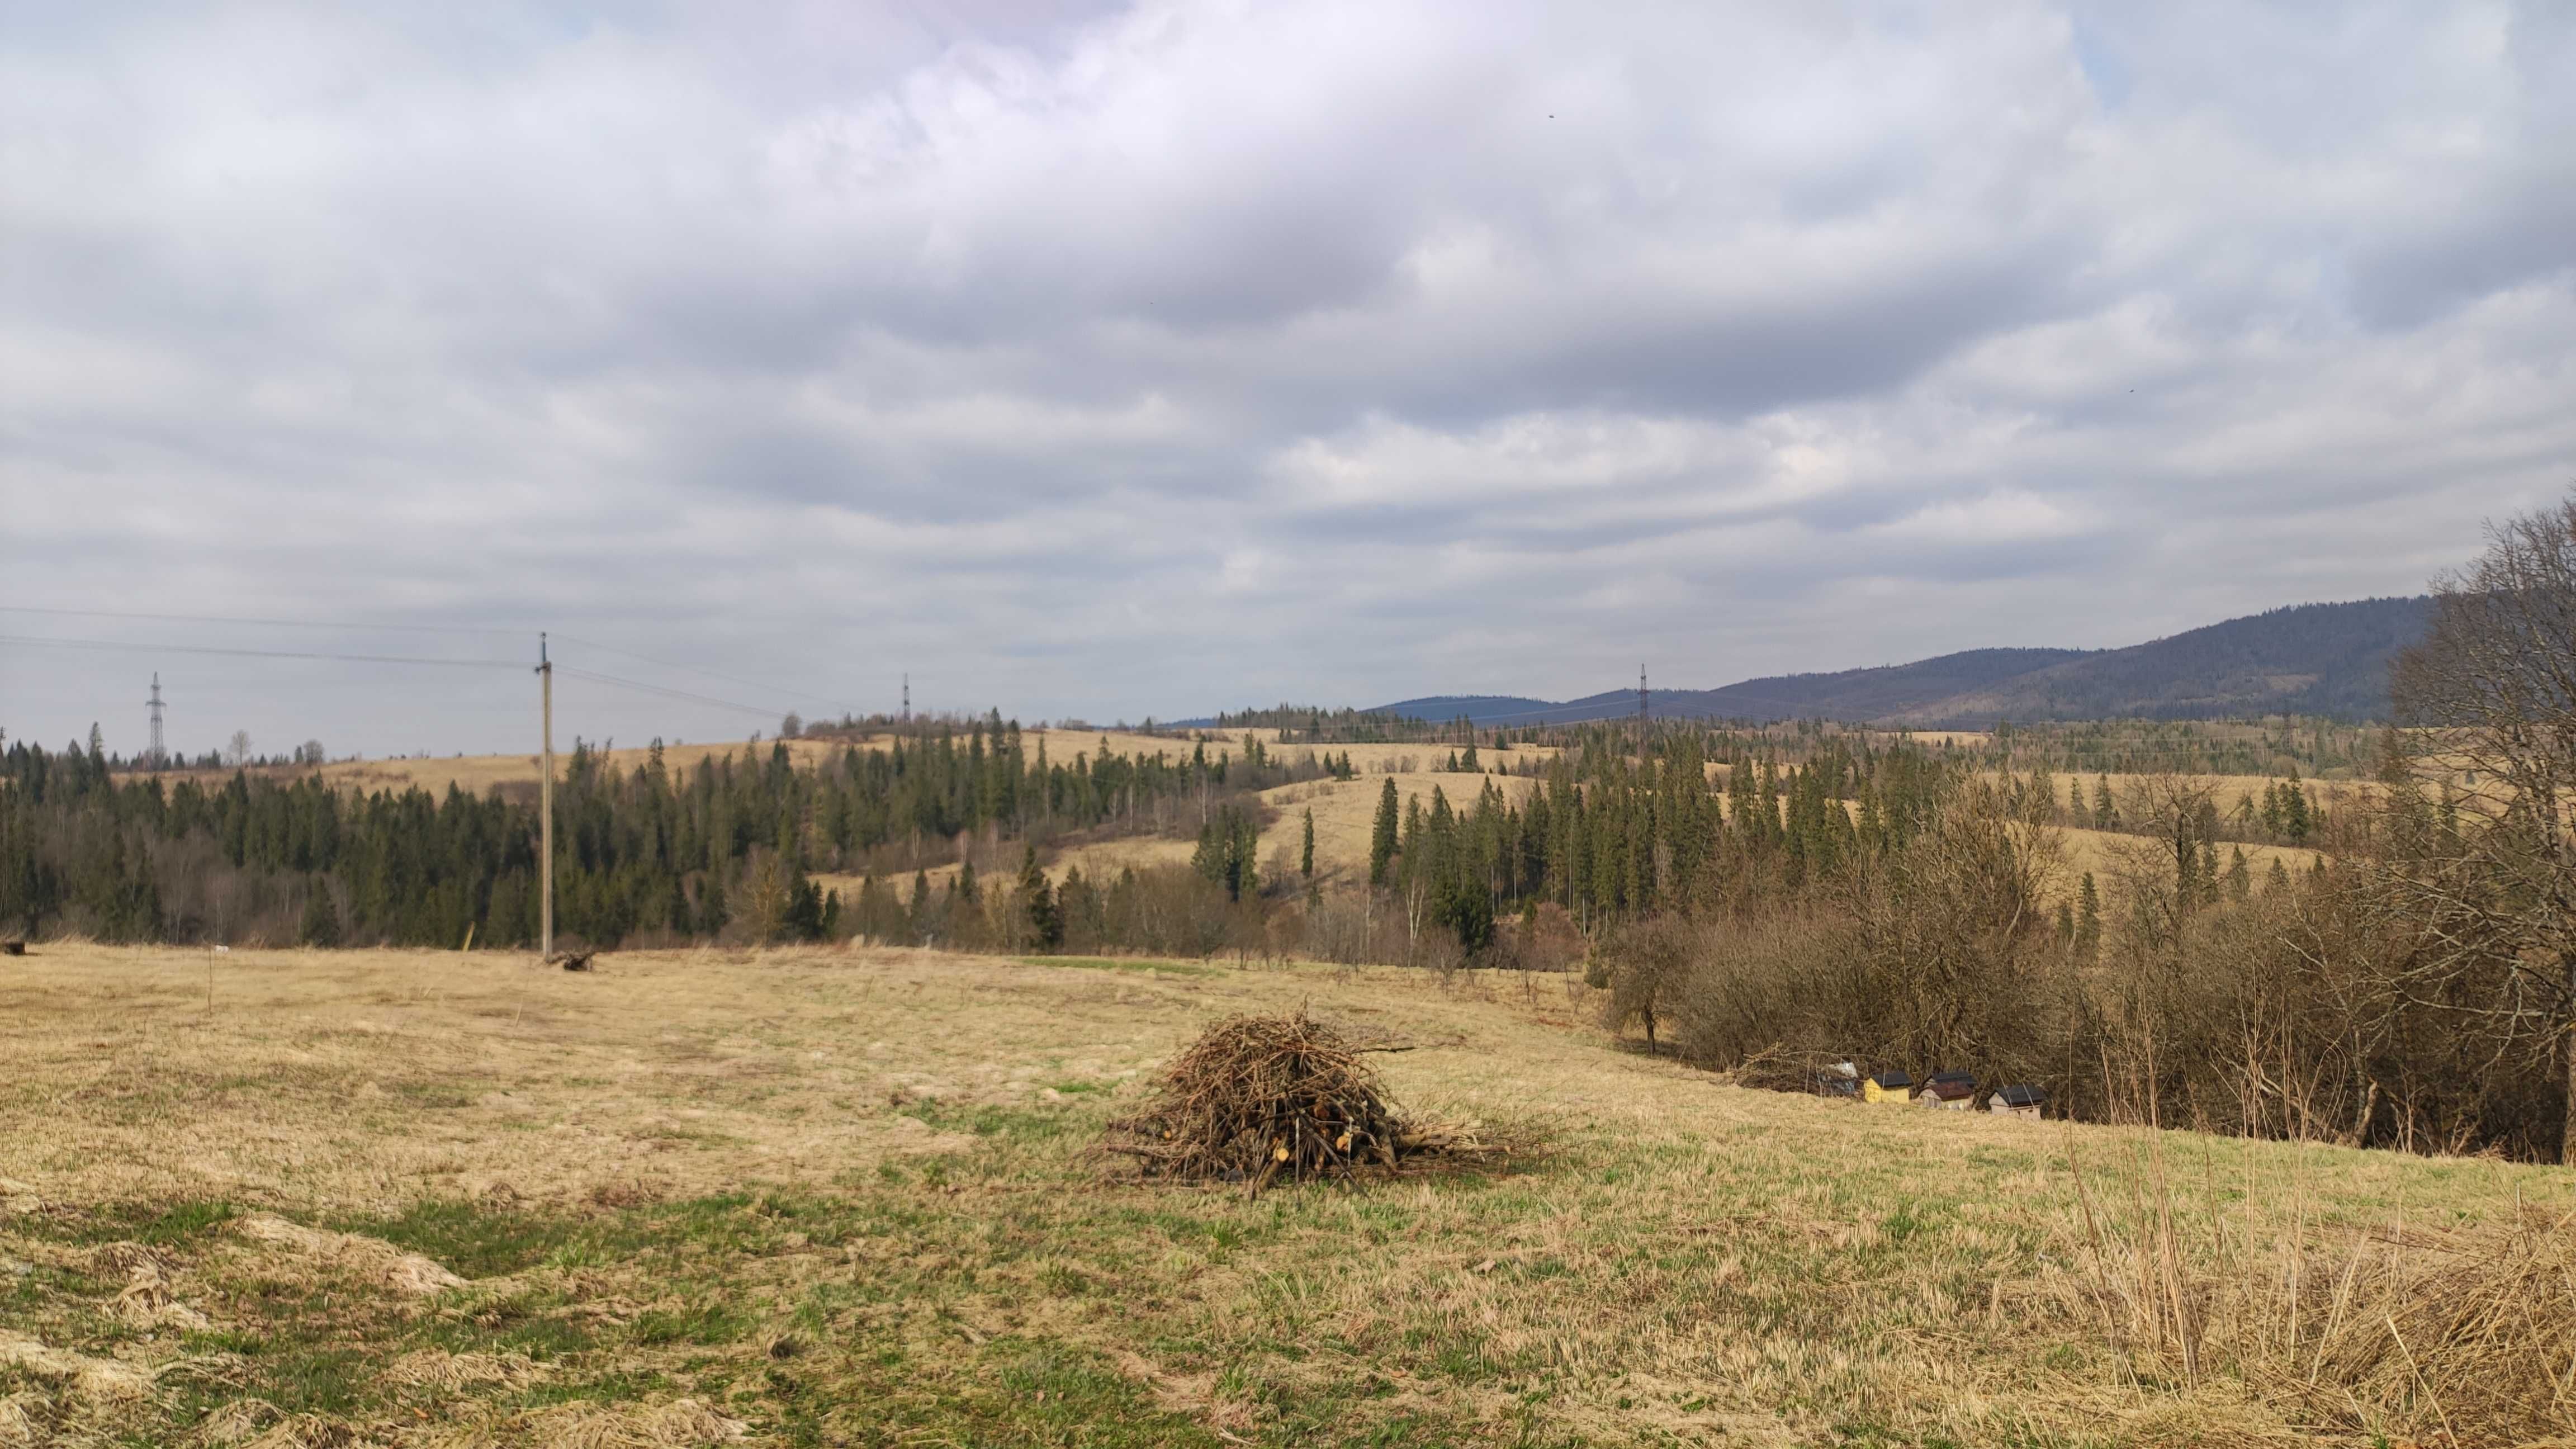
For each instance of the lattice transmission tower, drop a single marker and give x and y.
(160, 756)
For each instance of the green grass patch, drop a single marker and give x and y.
(475, 1239)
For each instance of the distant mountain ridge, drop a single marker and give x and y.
(2316, 659)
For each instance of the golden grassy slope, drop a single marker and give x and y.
(475, 774)
(2104, 851)
(1345, 812)
(811, 1197)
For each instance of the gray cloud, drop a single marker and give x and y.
(1112, 361)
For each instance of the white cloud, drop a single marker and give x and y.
(1363, 349)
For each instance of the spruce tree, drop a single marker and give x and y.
(2088, 919)
(2298, 817)
(713, 914)
(1306, 853)
(1038, 903)
(321, 917)
(675, 912)
(1382, 834)
(2240, 879)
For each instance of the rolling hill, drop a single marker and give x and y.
(2317, 659)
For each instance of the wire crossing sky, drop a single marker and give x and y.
(1110, 360)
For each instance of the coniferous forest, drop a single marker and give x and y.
(728, 850)
(1824, 893)
(722, 851)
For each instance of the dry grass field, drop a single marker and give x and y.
(415, 1198)
(475, 774)
(1345, 811)
(2103, 852)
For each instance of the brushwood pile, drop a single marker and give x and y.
(1263, 1100)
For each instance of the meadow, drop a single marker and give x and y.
(846, 1196)
(475, 774)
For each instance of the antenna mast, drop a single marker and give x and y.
(907, 697)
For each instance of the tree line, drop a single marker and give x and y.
(722, 851)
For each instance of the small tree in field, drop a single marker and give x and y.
(1382, 834)
(1039, 916)
(2491, 690)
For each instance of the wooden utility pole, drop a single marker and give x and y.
(546, 809)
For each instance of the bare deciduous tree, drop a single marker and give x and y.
(2487, 883)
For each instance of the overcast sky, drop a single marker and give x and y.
(1113, 361)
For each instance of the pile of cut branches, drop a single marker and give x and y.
(1264, 1099)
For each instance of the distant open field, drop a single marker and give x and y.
(1345, 812)
(2102, 851)
(476, 774)
(430, 1198)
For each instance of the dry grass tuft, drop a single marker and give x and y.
(238, 1421)
(2459, 1336)
(407, 1273)
(1258, 1099)
(90, 1378)
(679, 1424)
(146, 1300)
(21, 1418)
(442, 1372)
(307, 1431)
(2471, 1334)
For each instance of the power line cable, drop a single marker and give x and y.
(712, 673)
(422, 629)
(121, 646)
(273, 623)
(753, 710)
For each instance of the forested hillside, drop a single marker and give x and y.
(1863, 694)
(2329, 660)
(2324, 660)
